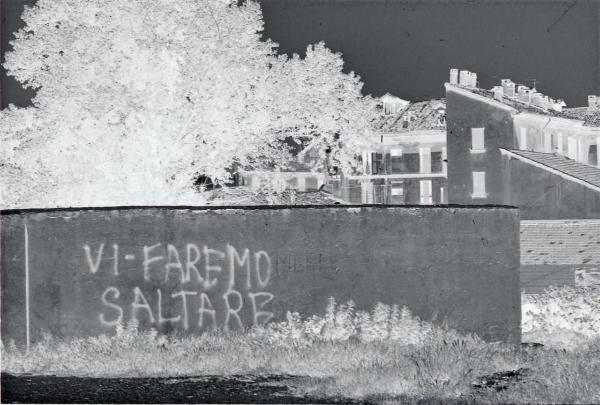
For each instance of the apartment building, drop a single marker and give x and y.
(405, 162)
(514, 145)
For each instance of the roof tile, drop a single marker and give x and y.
(587, 173)
(560, 242)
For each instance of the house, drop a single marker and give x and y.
(405, 161)
(513, 145)
(559, 252)
(404, 164)
(301, 176)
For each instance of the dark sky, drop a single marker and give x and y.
(406, 47)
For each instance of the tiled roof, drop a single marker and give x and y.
(581, 113)
(578, 113)
(576, 170)
(560, 242)
(425, 115)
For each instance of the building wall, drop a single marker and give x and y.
(77, 272)
(567, 137)
(544, 195)
(536, 278)
(281, 181)
(464, 112)
(394, 168)
(386, 191)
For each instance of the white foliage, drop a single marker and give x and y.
(342, 323)
(137, 97)
(564, 317)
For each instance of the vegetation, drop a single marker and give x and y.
(386, 356)
(565, 317)
(137, 98)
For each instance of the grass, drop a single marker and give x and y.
(386, 355)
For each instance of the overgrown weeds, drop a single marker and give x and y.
(386, 355)
(565, 317)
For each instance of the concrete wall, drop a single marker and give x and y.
(77, 272)
(462, 114)
(544, 195)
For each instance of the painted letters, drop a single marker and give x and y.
(115, 292)
(218, 288)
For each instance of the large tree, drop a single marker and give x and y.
(135, 98)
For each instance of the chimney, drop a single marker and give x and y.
(545, 102)
(464, 78)
(592, 103)
(508, 87)
(537, 99)
(393, 104)
(524, 94)
(454, 76)
(498, 92)
(558, 105)
(473, 79)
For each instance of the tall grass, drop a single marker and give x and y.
(386, 355)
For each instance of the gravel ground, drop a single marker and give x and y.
(205, 389)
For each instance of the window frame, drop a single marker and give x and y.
(477, 132)
(478, 177)
(426, 199)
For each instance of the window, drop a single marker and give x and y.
(479, 185)
(406, 163)
(437, 162)
(397, 192)
(477, 140)
(367, 192)
(398, 188)
(426, 194)
(395, 152)
(377, 159)
(559, 142)
(311, 183)
(593, 155)
(523, 138)
(547, 142)
(571, 148)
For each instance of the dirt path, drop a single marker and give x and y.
(205, 389)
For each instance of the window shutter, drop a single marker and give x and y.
(477, 139)
(479, 184)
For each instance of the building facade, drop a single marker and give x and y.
(303, 175)
(406, 160)
(513, 145)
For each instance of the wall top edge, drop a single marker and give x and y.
(339, 207)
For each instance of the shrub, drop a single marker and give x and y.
(565, 317)
(342, 323)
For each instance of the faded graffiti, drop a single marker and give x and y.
(187, 287)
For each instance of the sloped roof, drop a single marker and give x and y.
(425, 115)
(391, 97)
(585, 174)
(591, 119)
(560, 242)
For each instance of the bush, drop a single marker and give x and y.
(565, 317)
(342, 323)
